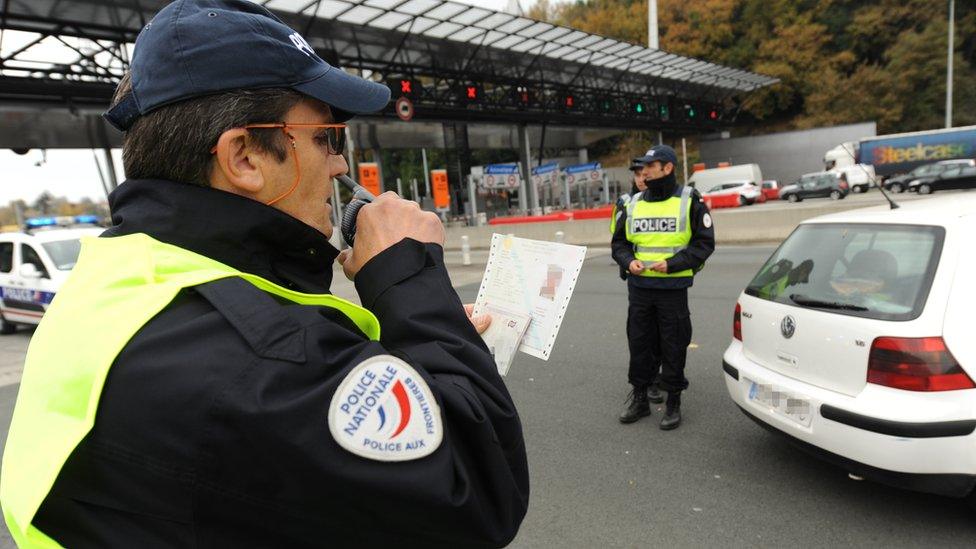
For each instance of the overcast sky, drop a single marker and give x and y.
(73, 172)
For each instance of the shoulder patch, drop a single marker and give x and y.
(383, 410)
(707, 220)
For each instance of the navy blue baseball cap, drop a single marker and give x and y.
(660, 153)
(193, 48)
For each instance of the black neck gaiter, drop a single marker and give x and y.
(660, 189)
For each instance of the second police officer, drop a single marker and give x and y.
(663, 240)
(620, 207)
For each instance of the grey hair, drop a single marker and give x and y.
(173, 142)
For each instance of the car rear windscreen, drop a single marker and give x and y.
(64, 253)
(874, 271)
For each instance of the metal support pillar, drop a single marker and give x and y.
(458, 160)
(113, 179)
(350, 157)
(472, 201)
(528, 193)
(567, 202)
(952, 25)
(684, 159)
(423, 154)
(337, 213)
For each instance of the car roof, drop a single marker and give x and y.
(52, 235)
(956, 161)
(940, 210)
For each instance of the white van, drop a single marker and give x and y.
(708, 179)
(860, 177)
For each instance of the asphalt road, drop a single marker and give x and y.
(719, 480)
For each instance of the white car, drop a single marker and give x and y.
(855, 340)
(34, 264)
(749, 192)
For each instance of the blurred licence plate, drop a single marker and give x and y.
(780, 402)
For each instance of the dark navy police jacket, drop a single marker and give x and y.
(212, 428)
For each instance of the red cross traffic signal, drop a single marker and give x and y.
(472, 92)
(406, 86)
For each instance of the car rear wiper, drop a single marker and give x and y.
(811, 302)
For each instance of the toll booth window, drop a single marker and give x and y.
(6, 257)
(28, 255)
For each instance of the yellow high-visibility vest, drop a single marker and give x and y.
(622, 201)
(659, 230)
(117, 286)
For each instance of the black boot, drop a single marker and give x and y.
(637, 406)
(672, 416)
(654, 394)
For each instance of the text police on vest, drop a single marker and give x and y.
(655, 225)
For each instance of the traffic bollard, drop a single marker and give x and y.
(560, 236)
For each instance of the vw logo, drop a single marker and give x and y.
(788, 326)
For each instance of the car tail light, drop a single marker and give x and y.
(916, 364)
(737, 322)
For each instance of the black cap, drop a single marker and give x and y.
(636, 165)
(660, 153)
(193, 48)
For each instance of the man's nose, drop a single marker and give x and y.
(339, 165)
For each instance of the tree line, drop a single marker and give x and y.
(838, 61)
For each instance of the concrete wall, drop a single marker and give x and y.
(732, 226)
(784, 156)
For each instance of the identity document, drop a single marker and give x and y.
(532, 278)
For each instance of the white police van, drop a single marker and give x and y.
(35, 263)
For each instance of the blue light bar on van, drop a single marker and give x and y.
(35, 222)
(89, 218)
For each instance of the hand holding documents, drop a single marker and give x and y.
(526, 279)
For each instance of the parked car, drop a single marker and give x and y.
(956, 177)
(748, 192)
(900, 183)
(35, 263)
(854, 341)
(816, 185)
(770, 189)
(707, 179)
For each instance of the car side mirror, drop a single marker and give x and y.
(29, 270)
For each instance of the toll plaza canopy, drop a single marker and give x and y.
(448, 61)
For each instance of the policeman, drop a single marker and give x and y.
(195, 384)
(664, 240)
(620, 207)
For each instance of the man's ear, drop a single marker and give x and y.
(668, 168)
(238, 166)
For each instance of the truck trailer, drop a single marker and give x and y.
(900, 153)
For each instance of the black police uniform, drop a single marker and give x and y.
(212, 427)
(658, 319)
